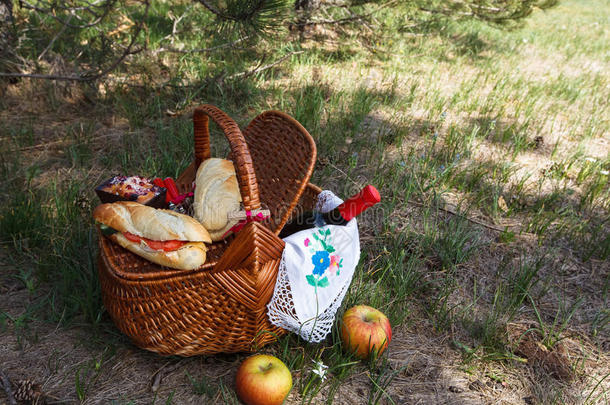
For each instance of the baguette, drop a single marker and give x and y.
(216, 195)
(188, 257)
(162, 236)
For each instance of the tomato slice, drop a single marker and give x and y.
(165, 245)
(132, 237)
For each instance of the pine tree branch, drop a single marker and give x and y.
(345, 20)
(50, 45)
(489, 13)
(445, 12)
(214, 10)
(106, 5)
(252, 11)
(41, 76)
(91, 76)
(254, 14)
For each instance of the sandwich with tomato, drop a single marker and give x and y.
(162, 236)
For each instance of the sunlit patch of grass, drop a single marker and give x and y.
(463, 128)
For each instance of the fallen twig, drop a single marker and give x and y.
(470, 219)
(164, 371)
(61, 142)
(262, 68)
(199, 50)
(41, 76)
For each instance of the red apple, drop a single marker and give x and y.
(365, 331)
(263, 380)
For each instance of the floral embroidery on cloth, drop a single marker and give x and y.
(326, 262)
(315, 272)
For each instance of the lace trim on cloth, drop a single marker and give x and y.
(282, 309)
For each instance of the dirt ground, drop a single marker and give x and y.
(81, 365)
(52, 358)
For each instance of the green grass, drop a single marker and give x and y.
(484, 143)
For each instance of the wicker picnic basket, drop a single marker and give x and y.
(220, 307)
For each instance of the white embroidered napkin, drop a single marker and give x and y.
(315, 272)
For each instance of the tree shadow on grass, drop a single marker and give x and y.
(469, 39)
(350, 124)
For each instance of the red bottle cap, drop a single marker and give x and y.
(353, 206)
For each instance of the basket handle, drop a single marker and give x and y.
(244, 168)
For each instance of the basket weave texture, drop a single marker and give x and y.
(220, 307)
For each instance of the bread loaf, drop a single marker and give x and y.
(216, 195)
(189, 257)
(151, 223)
(162, 236)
